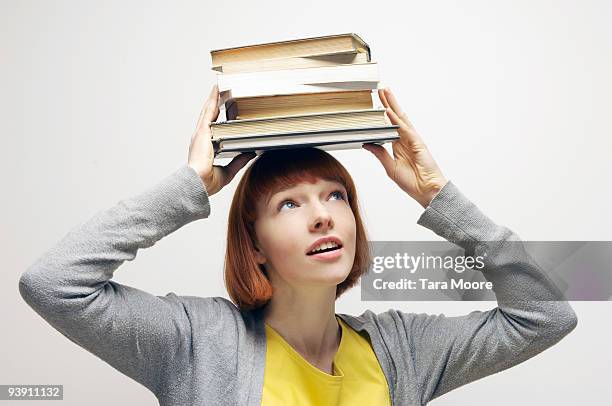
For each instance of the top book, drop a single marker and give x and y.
(304, 47)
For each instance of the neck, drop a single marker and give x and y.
(306, 319)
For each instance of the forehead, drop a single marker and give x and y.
(304, 185)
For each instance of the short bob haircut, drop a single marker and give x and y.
(245, 280)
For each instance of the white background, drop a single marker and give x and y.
(99, 101)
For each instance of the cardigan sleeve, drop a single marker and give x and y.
(531, 315)
(70, 286)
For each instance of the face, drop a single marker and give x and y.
(291, 221)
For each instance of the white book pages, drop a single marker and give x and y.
(363, 72)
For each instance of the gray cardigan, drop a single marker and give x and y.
(203, 351)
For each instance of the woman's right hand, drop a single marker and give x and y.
(201, 151)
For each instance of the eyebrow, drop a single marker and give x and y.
(280, 190)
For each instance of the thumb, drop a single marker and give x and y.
(383, 156)
(236, 164)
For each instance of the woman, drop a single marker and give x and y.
(280, 341)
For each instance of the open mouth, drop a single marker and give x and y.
(325, 250)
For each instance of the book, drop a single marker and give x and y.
(298, 123)
(324, 45)
(312, 92)
(362, 72)
(294, 63)
(274, 89)
(297, 104)
(301, 137)
(298, 81)
(326, 140)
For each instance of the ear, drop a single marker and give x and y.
(259, 256)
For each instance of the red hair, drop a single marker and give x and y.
(246, 280)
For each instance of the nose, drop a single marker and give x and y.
(322, 219)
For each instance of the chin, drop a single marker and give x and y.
(334, 276)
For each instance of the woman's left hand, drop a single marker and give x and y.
(412, 166)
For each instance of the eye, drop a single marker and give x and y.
(283, 203)
(338, 193)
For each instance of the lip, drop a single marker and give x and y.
(330, 238)
(328, 256)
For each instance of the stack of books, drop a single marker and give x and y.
(307, 92)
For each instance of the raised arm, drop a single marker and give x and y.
(531, 315)
(442, 352)
(70, 286)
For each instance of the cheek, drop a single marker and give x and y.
(281, 240)
(349, 227)
(285, 247)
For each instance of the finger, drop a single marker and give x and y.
(236, 164)
(397, 110)
(406, 130)
(210, 112)
(209, 116)
(393, 103)
(213, 96)
(213, 89)
(215, 113)
(383, 99)
(202, 116)
(383, 156)
(203, 130)
(202, 121)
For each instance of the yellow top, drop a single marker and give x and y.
(291, 380)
